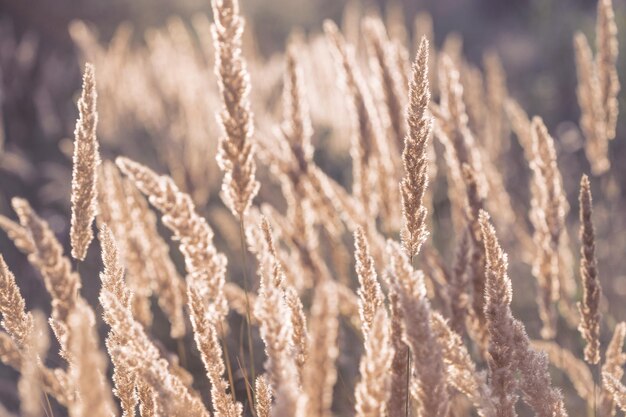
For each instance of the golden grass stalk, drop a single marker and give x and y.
(15, 319)
(116, 211)
(592, 118)
(388, 79)
(54, 381)
(509, 346)
(575, 369)
(396, 403)
(616, 388)
(415, 181)
(19, 235)
(606, 64)
(85, 168)
(124, 379)
(195, 237)
(370, 153)
(61, 282)
(263, 397)
(613, 365)
(300, 334)
(372, 391)
(168, 285)
(31, 382)
(88, 366)
(430, 387)
(205, 320)
(461, 372)
(296, 121)
(147, 400)
(133, 346)
(320, 373)
(589, 306)
(277, 334)
(236, 147)
(548, 210)
(371, 298)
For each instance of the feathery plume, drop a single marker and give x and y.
(371, 298)
(592, 117)
(262, 396)
(19, 235)
(396, 403)
(15, 319)
(589, 307)
(135, 348)
(381, 61)
(168, 285)
(204, 320)
(88, 366)
(606, 64)
(370, 153)
(61, 282)
(85, 167)
(613, 365)
(299, 329)
(461, 371)
(575, 369)
(426, 358)
(195, 236)
(616, 388)
(320, 373)
(415, 181)
(372, 391)
(236, 148)
(548, 210)
(147, 400)
(509, 346)
(30, 384)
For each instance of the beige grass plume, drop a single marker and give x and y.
(320, 373)
(415, 181)
(430, 387)
(509, 346)
(88, 367)
(132, 345)
(589, 306)
(548, 210)
(371, 298)
(31, 379)
(613, 365)
(598, 87)
(461, 371)
(85, 168)
(372, 391)
(366, 136)
(236, 147)
(15, 320)
(575, 369)
(262, 396)
(61, 282)
(606, 64)
(382, 59)
(277, 334)
(202, 262)
(206, 269)
(168, 284)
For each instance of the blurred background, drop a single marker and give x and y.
(157, 104)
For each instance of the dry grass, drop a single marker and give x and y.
(435, 319)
